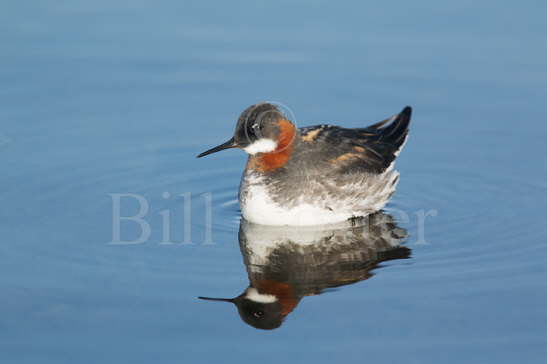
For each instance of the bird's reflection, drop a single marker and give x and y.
(285, 264)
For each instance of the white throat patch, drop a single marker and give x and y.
(263, 145)
(255, 296)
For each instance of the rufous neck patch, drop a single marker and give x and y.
(282, 291)
(265, 162)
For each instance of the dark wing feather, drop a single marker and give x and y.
(387, 138)
(372, 149)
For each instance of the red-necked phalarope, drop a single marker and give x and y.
(314, 175)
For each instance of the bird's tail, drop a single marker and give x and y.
(395, 129)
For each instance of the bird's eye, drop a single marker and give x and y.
(258, 314)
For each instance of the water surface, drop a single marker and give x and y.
(102, 98)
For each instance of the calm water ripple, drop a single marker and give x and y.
(106, 98)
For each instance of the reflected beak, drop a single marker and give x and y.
(229, 144)
(231, 300)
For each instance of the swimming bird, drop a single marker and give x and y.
(314, 175)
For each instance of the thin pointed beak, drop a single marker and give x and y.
(229, 144)
(231, 300)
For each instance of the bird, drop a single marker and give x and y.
(286, 264)
(315, 175)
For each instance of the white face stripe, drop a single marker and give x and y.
(263, 145)
(253, 295)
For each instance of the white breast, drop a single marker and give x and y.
(359, 198)
(261, 209)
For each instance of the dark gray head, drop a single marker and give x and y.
(258, 310)
(261, 128)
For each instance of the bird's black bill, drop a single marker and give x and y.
(231, 300)
(229, 144)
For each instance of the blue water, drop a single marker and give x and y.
(113, 97)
